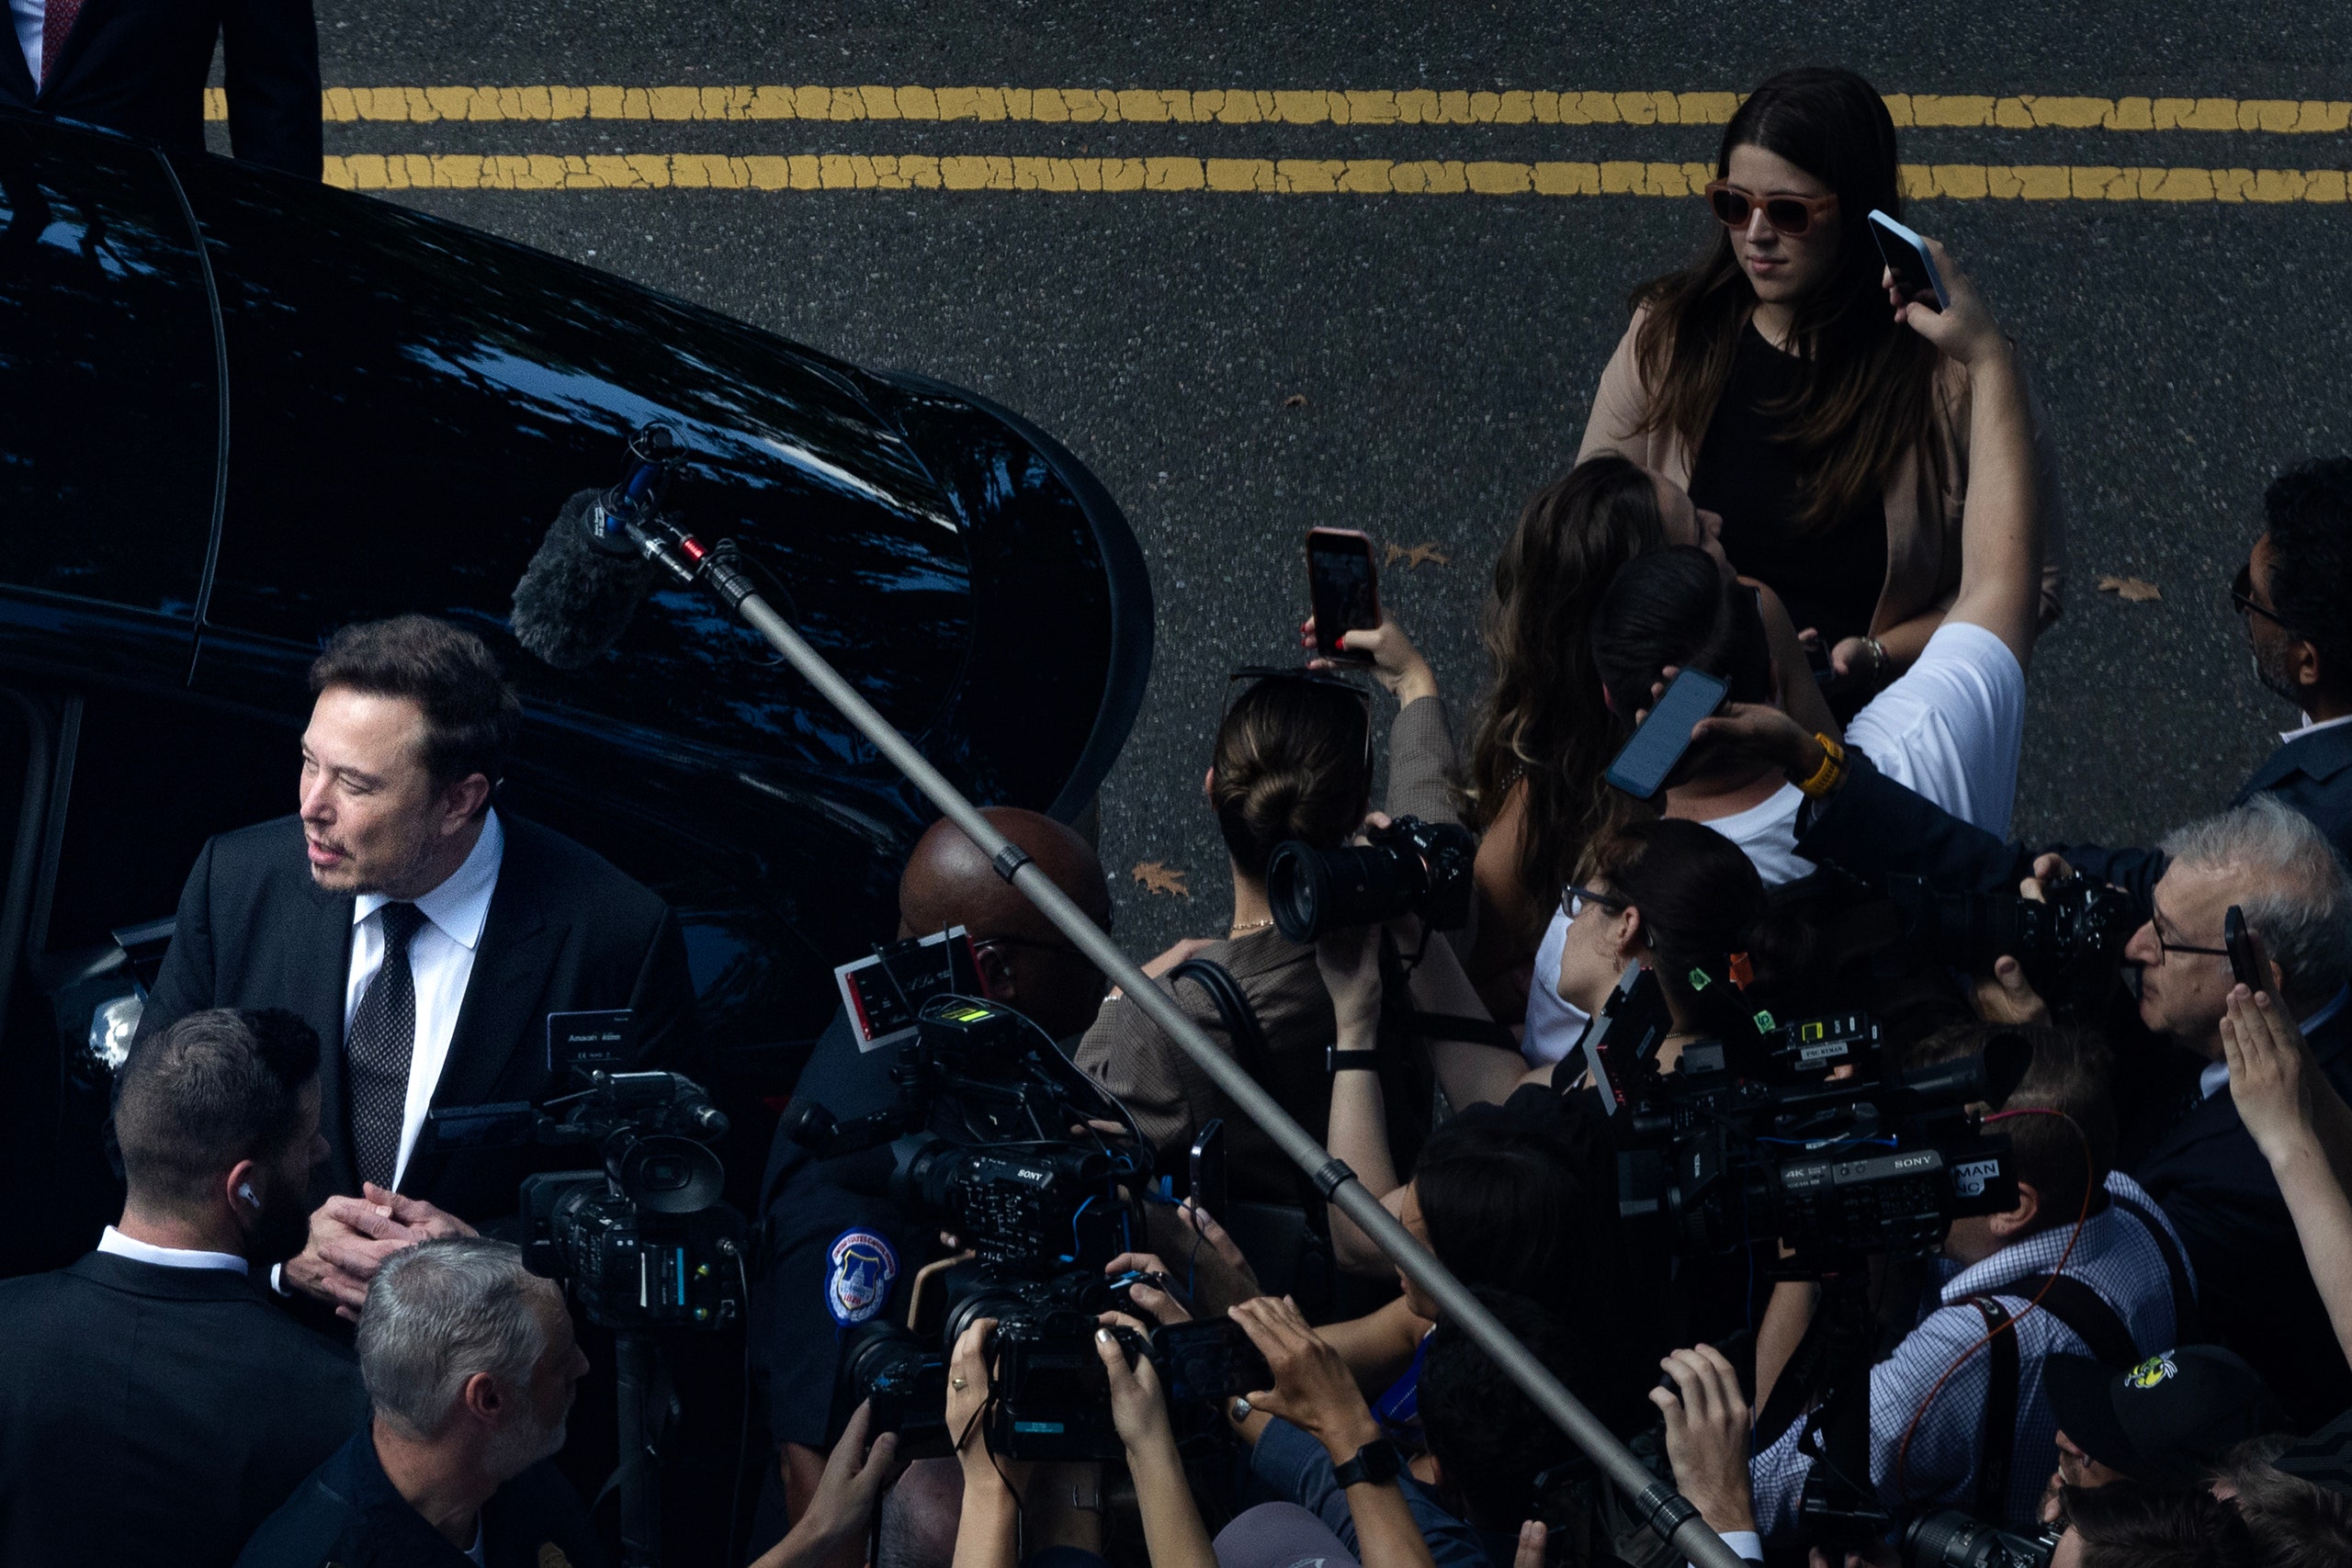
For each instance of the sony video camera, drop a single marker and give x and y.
(645, 1242)
(1410, 867)
(1754, 1138)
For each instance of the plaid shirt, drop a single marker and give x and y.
(2115, 1258)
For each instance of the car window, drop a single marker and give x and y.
(106, 371)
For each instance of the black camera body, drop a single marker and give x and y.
(1043, 1206)
(1754, 1138)
(1950, 1539)
(1052, 1397)
(1408, 867)
(645, 1242)
(2069, 946)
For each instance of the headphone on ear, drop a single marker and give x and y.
(245, 1191)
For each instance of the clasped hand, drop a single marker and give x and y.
(350, 1238)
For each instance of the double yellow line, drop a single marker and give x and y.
(1362, 176)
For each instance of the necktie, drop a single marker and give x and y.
(375, 1057)
(57, 20)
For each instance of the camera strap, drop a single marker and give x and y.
(1249, 1048)
(2188, 1322)
(2080, 1308)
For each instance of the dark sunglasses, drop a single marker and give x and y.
(1255, 673)
(1787, 214)
(2241, 595)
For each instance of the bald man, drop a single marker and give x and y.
(836, 1259)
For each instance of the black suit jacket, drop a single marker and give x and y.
(566, 932)
(155, 1414)
(140, 66)
(2254, 1286)
(1872, 826)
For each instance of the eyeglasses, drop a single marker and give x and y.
(2241, 595)
(1574, 898)
(2165, 949)
(988, 943)
(1789, 215)
(1256, 674)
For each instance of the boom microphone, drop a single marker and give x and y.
(576, 598)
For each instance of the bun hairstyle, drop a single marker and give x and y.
(1543, 721)
(1701, 904)
(1290, 764)
(1867, 397)
(1673, 606)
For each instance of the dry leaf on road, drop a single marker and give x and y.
(1415, 554)
(1159, 876)
(2132, 590)
(1295, 400)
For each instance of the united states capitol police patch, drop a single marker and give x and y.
(859, 1281)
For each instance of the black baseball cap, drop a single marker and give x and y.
(2166, 1421)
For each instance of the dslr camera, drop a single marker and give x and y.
(2069, 947)
(1950, 1539)
(1754, 1138)
(644, 1242)
(1408, 867)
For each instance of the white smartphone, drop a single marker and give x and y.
(1906, 258)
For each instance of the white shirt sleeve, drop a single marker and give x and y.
(1952, 725)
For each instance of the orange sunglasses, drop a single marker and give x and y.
(1787, 214)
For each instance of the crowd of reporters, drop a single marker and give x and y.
(1840, 502)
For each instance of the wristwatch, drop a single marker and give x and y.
(1337, 1061)
(1376, 1463)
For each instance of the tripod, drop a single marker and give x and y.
(637, 1476)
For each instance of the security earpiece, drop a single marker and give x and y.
(245, 1191)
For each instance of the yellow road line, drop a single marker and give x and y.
(1146, 106)
(1285, 177)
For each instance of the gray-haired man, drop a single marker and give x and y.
(471, 1363)
(2270, 861)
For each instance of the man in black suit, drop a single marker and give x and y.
(140, 66)
(425, 936)
(155, 1404)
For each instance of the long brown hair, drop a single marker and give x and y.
(1544, 719)
(1867, 396)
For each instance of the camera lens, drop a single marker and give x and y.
(666, 1175)
(1311, 892)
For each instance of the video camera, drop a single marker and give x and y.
(984, 1140)
(1410, 867)
(1753, 1137)
(645, 1242)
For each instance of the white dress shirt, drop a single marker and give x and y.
(2310, 727)
(440, 956)
(121, 1246)
(30, 17)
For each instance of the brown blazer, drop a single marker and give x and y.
(1922, 518)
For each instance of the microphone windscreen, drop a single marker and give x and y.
(574, 600)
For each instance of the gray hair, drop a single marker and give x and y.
(2299, 892)
(439, 1311)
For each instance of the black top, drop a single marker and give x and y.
(150, 1414)
(1830, 577)
(348, 1512)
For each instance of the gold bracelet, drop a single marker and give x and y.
(1832, 771)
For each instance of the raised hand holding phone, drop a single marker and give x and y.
(1343, 586)
(1656, 747)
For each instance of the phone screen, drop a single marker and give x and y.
(1641, 769)
(1342, 587)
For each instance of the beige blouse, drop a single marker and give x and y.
(1922, 518)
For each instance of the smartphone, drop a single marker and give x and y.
(1208, 1170)
(1906, 258)
(2244, 962)
(1209, 1358)
(1342, 586)
(1641, 769)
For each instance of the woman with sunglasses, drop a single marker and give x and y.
(1773, 381)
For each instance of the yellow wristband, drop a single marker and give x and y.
(1832, 771)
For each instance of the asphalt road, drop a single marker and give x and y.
(1446, 346)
